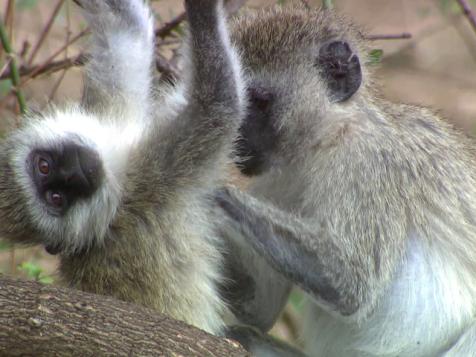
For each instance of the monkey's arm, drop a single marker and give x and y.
(307, 253)
(199, 140)
(119, 67)
(254, 291)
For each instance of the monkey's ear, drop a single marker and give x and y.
(341, 69)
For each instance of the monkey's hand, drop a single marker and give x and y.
(118, 73)
(120, 15)
(304, 253)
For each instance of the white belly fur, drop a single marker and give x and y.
(421, 314)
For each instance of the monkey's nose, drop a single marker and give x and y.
(80, 169)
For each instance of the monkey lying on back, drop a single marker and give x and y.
(119, 186)
(367, 205)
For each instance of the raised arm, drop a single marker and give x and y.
(119, 68)
(210, 100)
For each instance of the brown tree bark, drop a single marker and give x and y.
(40, 320)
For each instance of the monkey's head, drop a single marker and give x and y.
(304, 72)
(52, 183)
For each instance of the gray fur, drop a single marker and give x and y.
(145, 235)
(367, 205)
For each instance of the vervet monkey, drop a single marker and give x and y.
(120, 184)
(366, 205)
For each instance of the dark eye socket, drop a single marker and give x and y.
(43, 166)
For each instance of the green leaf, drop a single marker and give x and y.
(375, 56)
(46, 279)
(26, 4)
(32, 270)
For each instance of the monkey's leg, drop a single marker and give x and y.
(119, 68)
(466, 344)
(306, 253)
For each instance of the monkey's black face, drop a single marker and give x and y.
(340, 68)
(64, 174)
(258, 136)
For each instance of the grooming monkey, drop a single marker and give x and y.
(120, 185)
(366, 205)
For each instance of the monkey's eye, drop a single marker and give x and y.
(54, 198)
(260, 97)
(43, 166)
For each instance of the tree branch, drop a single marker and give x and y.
(40, 320)
(396, 36)
(168, 27)
(468, 12)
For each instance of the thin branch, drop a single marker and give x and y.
(398, 36)
(14, 74)
(45, 31)
(168, 27)
(468, 12)
(55, 54)
(51, 67)
(68, 41)
(13, 261)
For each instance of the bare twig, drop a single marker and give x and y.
(168, 27)
(68, 41)
(24, 49)
(468, 12)
(14, 75)
(45, 31)
(13, 262)
(50, 59)
(51, 67)
(398, 36)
